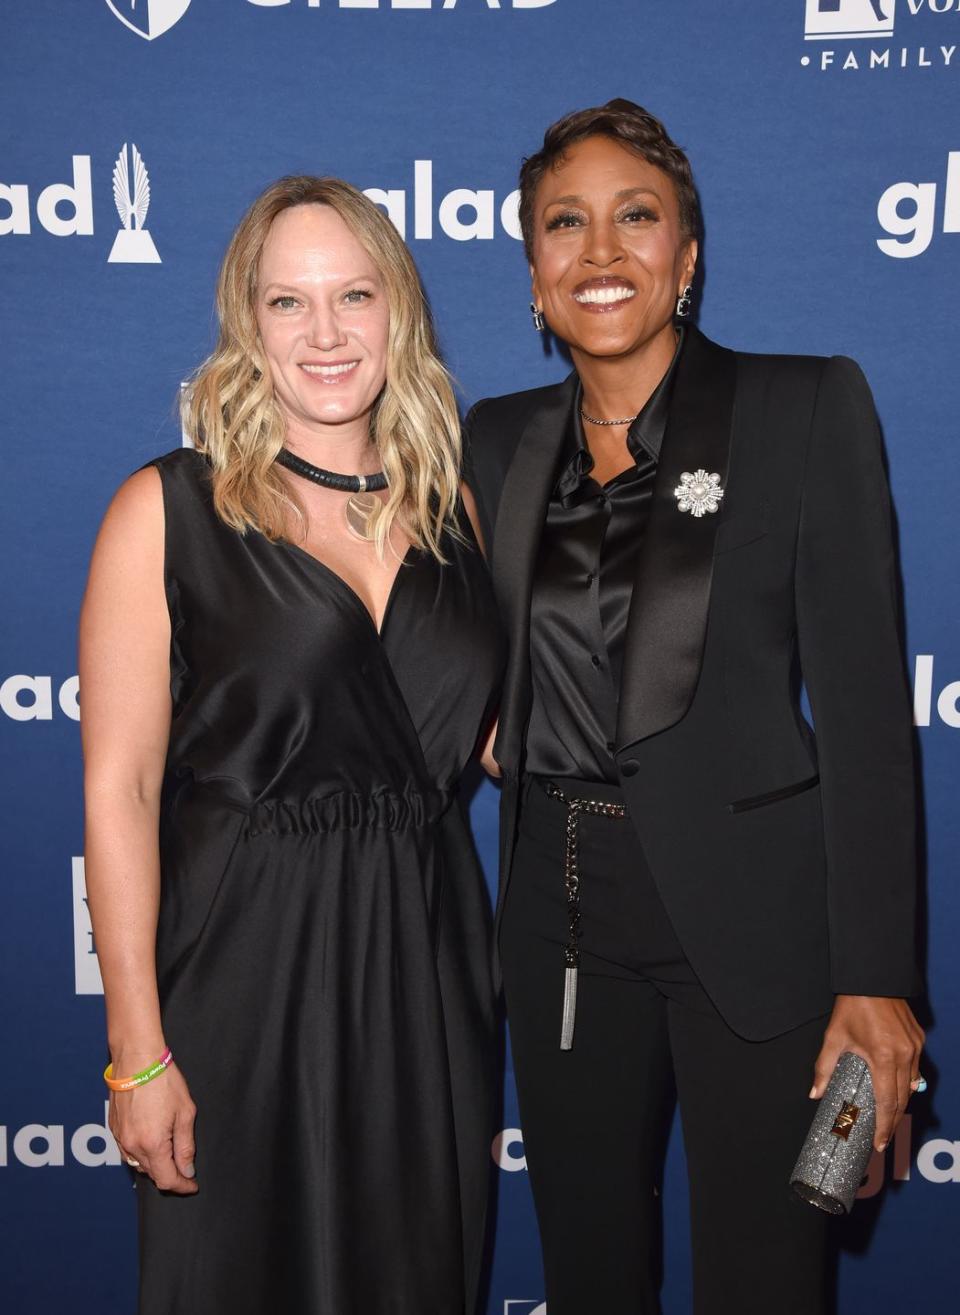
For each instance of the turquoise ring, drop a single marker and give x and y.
(921, 1086)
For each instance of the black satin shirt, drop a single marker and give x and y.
(582, 587)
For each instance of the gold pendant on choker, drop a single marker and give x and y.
(362, 511)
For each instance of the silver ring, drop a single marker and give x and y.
(134, 1164)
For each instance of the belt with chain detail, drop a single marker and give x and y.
(576, 808)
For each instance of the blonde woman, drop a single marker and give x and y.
(288, 652)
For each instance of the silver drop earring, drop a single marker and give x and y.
(539, 323)
(684, 302)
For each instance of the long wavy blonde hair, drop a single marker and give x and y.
(230, 411)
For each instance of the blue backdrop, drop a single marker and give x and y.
(825, 137)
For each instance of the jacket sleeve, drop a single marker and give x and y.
(849, 641)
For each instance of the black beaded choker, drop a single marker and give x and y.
(329, 478)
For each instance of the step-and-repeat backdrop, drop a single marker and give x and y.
(825, 136)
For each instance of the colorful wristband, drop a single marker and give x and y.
(138, 1079)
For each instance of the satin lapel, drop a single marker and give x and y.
(520, 518)
(671, 595)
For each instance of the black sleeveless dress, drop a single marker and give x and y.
(323, 945)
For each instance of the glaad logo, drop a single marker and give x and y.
(43, 1145)
(524, 1306)
(36, 698)
(131, 193)
(79, 195)
(507, 1151)
(912, 233)
(149, 18)
(402, 4)
(86, 965)
(937, 1160)
(849, 18)
(463, 214)
(948, 700)
(30, 698)
(133, 245)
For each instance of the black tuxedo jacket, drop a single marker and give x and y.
(785, 857)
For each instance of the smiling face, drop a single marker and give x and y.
(609, 255)
(323, 315)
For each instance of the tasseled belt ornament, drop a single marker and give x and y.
(576, 808)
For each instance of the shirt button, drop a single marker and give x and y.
(611, 745)
(595, 659)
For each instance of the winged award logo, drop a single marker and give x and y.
(149, 18)
(133, 245)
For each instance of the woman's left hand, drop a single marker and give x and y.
(884, 1032)
(487, 760)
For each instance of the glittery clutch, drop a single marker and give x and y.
(835, 1154)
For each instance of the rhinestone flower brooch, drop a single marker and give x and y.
(698, 493)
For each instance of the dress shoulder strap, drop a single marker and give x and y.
(193, 531)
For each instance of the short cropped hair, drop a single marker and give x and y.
(630, 125)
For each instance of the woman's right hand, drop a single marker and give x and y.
(153, 1124)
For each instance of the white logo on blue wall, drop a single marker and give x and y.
(908, 212)
(86, 965)
(186, 439)
(507, 1151)
(44, 1145)
(40, 698)
(464, 213)
(133, 245)
(63, 209)
(925, 695)
(66, 209)
(869, 24)
(31, 698)
(149, 18)
(938, 1161)
(524, 1306)
(403, 4)
(827, 19)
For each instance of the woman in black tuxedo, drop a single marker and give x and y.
(696, 887)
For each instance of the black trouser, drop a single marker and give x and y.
(595, 1117)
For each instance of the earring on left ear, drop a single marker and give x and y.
(685, 302)
(539, 323)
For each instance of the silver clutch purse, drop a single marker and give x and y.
(835, 1154)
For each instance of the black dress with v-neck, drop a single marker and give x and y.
(323, 943)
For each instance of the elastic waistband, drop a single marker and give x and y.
(573, 788)
(342, 810)
(386, 810)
